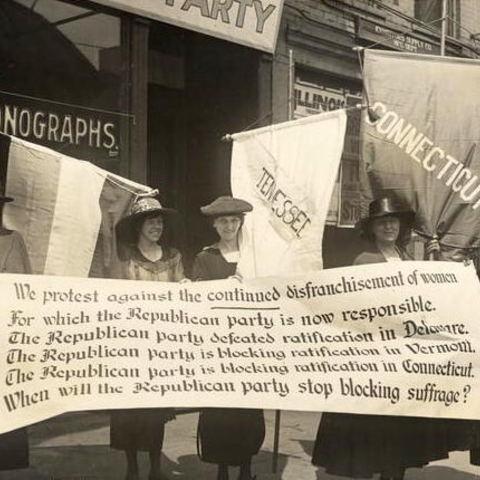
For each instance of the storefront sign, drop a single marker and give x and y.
(399, 41)
(253, 23)
(310, 99)
(78, 132)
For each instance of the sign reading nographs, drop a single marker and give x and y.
(253, 23)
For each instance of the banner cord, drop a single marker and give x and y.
(229, 137)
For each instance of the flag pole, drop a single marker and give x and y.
(291, 107)
(444, 28)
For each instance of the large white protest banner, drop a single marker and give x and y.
(252, 23)
(398, 339)
(287, 172)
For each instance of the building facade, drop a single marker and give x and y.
(151, 100)
(317, 61)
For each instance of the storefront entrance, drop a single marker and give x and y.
(196, 94)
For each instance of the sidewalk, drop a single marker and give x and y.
(76, 447)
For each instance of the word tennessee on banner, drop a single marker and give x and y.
(381, 338)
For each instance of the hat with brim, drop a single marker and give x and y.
(141, 209)
(385, 207)
(226, 206)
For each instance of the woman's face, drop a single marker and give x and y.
(152, 229)
(386, 229)
(227, 226)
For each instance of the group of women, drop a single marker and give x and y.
(351, 445)
(226, 437)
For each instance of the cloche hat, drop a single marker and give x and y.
(226, 205)
(143, 207)
(385, 207)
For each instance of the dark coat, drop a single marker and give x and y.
(13, 259)
(359, 445)
(228, 436)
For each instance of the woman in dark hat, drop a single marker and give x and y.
(149, 258)
(357, 445)
(227, 436)
(13, 259)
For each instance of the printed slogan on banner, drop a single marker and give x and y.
(401, 339)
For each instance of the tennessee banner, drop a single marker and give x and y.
(65, 209)
(287, 173)
(380, 338)
(420, 142)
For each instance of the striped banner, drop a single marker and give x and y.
(65, 208)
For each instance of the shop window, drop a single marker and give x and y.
(430, 12)
(61, 79)
(315, 93)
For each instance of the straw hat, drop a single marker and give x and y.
(142, 208)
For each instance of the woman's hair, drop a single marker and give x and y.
(240, 216)
(164, 239)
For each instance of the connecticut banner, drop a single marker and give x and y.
(400, 339)
(287, 172)
(420, 140)
(65, 208)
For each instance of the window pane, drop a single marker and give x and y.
(68, 58)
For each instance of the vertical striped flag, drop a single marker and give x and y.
(66, 209)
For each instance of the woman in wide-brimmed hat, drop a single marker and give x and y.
(227, 436)
(149, 258)
(358, 445)
(13, 259)
(387, 227)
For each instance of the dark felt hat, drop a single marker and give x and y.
(142, 208)
(385, 207)
(226, 206)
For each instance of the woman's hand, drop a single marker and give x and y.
(432, 246)
(236, 277)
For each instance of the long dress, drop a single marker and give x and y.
(359, 446)
(143, 429)
(13, 259)
(226, 436)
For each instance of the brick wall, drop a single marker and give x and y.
(320, 12)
